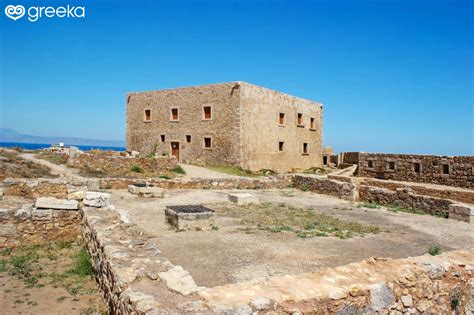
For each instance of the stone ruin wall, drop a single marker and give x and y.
(30, 226)
(119, 164)
(355, 189)
(461, 168)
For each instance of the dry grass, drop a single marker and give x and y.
(277, 218)
(11, 165)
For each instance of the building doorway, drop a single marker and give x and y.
(175, 149)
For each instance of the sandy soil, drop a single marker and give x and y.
(229, 255)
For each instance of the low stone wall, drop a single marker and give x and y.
(201, 183)
(406, 198)
(107, 165)
(29, 226)
(341, 189)
(34, 188)
(130, 270)
(453, 193)
(419, 168)
(426, 284)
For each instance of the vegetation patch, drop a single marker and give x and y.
(434, 250)
(304, 223)
(178, 170)
(12, 165)
(370, 205)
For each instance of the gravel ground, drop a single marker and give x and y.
(229, 255)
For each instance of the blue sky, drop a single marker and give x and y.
(394, 76)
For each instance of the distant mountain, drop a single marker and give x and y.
(9, 135)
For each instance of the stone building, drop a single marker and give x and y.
(233, 123)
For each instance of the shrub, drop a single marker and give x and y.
(136, 169)
(434, 250)
(164, 177)
(82, 264)
(178, 169)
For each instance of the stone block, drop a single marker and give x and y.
(41, 215)
(76, 192)
(242, 198)
(197, 221)
(461, 212)
(96, 199)
(145, 191)
(57, 204)
(179, 280)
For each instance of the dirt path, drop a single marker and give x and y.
(193, 171)
(56, 169)
(230, 255)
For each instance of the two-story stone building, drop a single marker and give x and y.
(233, 123)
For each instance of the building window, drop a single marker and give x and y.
(370, 164)
(312, 123)
(162, 138)
(299, 120)
(174, 114)
(281, 146)
(325, 160)
(207, 112)
(188, 138)
(147, 115)
(445, 169)
(207, 143)
(305, 148)
(281, 119)
(391, 165)
(417, 167)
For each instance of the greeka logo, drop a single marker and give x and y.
(16, 12)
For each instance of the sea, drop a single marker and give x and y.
(37, 146)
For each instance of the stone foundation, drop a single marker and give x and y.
(341, 189)
(201, 183)
(26, 225)
(426, 284)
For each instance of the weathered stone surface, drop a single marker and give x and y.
(242, 198)
(179, 280)
(323, 185)
(147, 192)
(96, 199)
(261, 303)
(76, 192)
(381, 297)
(54, 203)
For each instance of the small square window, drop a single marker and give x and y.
(147, 114)
(207, 143)
(162, 138)
(281, 119)
(312, 123)
(188, 138)
(391, 165)
(281, 146)
(299, 121)
(417, 167)
(305, 148)
(174, 114)
(370, 164)
(207, 112)
(445, 169)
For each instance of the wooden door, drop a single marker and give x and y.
(175, 149)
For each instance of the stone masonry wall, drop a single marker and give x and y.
(341, 189)
(406, 198)
(223, 127)
(426, 284)
(217, 183)
(262, 131)
(461, 168)
(27, 225)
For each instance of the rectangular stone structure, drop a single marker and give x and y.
(242, 198)
(57, 204)
(189, 217)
